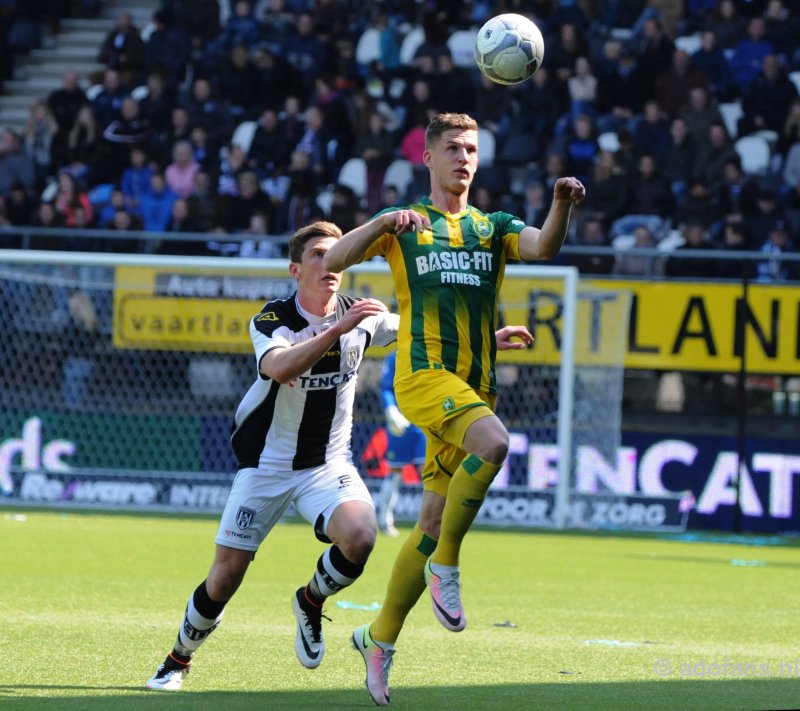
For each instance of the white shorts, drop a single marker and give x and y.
(259, 497)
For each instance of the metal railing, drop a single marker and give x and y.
(652, 257)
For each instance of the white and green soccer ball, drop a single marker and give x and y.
(509, 49)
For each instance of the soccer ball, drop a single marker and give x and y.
(509, 49)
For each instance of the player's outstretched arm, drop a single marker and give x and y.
(352, 247)
(503, 337)
(284, 364)
(545, 243)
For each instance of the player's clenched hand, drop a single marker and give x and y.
(363, 308)
(405, 221)
(569, 189)
(504, 335)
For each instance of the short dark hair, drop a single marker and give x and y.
(298, 240)
(444, 122)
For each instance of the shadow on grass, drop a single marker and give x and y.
(684, 694)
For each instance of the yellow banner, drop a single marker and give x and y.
(680, 326)
(703, 326)
(191, 310)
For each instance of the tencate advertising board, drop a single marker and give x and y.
(672, 325)
(650, 482)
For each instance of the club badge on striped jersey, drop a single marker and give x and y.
(244, 517)
(483, 228)
(351, 356)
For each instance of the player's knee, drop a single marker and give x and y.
(430, 523)
(495, 448)
(358, 544)
(223, 581)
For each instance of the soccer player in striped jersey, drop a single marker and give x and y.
(291, 439)
(447, 260)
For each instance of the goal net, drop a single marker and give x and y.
(119, 376)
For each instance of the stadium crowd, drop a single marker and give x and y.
(628, 101)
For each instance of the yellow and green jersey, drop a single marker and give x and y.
(447, 280)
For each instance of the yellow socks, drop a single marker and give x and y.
(406, 584)
(465, 495)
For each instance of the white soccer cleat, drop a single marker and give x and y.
(445, 589)
(308, 644)
(168, 677)
(378, 661)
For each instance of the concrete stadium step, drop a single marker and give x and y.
(141, 13)
(60, 55)
(37, 88)
(94, 24)
(47, 71)
(16, 116)
(82, 38)
(18, 128)
(15, 102)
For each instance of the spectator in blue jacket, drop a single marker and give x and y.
(710, 59)
(748, 55)
(766, 101)
(168, 47)
(106, 105)
(156, 204)
(136, 179)
(305, 51)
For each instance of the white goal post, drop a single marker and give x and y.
(138, 361)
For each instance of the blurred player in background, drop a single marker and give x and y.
(292, 446)
(447, 260)
(406, 445)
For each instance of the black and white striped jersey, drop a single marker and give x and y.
(307, 421)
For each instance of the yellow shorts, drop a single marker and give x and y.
(443, 406)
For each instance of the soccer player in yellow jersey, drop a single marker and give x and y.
(447, 260)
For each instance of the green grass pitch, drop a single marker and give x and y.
(91, 604)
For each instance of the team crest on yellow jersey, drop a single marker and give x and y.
(484, 228)
(448, 404)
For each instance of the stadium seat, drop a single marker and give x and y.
(354, 175)
(519, 149)
(243, 135)
(147, 31)
(731, 113)
(368, 48)
(608, 141)
(140, 93)
(93, 91)
(795, 78)
(411, 43)
(671, 242)
(628, 224)
(771, 137)
(486, 146)
(400, 174)
(520, 177)
(50, 191)
(496, 178)
(396, 88)
(688, 43)
(623, 241)
(325, 202)
(621, 34)
(755, 154)
(462, 48)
